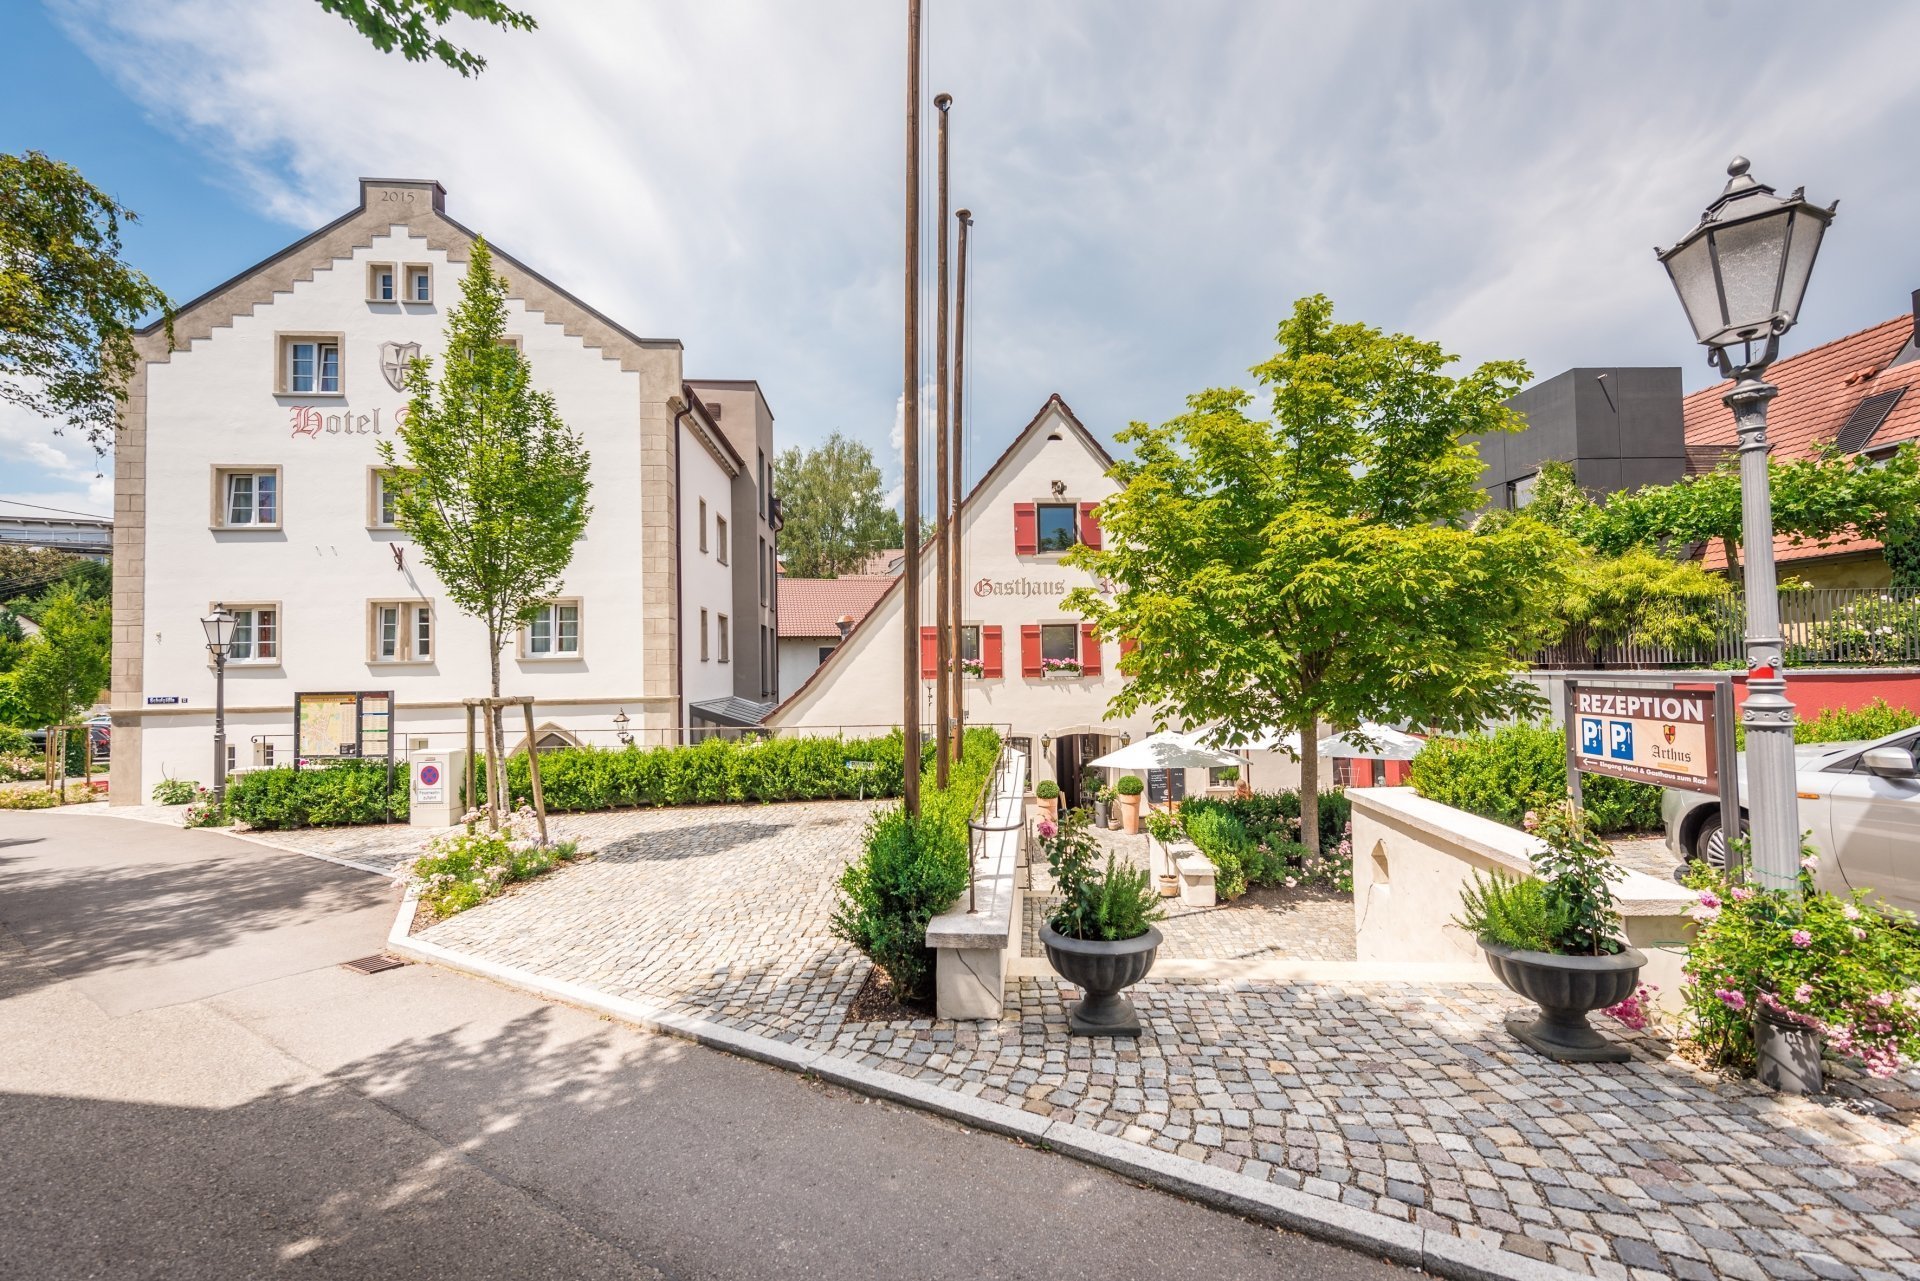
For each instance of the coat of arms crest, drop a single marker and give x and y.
(1669, 733)
(394, 359)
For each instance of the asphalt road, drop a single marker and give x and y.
(191, 1087)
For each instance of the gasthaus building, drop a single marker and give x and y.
(246, 474)
(1043, 674)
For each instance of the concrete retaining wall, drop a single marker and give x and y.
(1413, 856)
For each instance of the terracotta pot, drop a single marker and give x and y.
(1049, 806)
(1103, 971)
(1567, 989)
(1169, 885)
(1130, 814)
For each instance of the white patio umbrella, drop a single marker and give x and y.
(1165, 750)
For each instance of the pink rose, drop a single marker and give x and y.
(1709, 899)
(1731, 999)
(1810, 862)
(1802, 939)
(1047, 829)
(1851, 912)
(1741, 893)
(1803, 993)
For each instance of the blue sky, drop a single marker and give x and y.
(1154, 183)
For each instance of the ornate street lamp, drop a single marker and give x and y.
(219, 628)
(620, 723)
(1741, 275)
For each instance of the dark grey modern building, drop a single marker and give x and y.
(1620, 428)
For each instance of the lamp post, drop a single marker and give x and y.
(219, 629)
(1741, 275)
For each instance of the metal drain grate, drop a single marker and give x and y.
(373, 964)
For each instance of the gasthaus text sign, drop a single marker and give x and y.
(1649, 735)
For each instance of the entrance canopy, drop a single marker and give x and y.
(1166, 750)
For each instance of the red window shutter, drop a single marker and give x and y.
(1089, 650)
(991, 663)
(1030, 650)
(1026, 529)
(1127, 645)
(1089, 526)
(929, 653)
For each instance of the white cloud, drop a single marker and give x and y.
(1153, 184)
(50, 470)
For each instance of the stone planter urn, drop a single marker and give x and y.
(1130, 813)
(1103, 971)
(1099, 813)
(1567, 989)
(1787, 1055)
(1048, 806)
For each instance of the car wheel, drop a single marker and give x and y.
(1710, 842)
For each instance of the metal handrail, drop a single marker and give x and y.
(1843, 626)
(976, 828)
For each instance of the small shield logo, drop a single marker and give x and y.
(1669, 733)
(394, 359)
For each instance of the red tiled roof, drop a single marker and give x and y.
(813, 606)
(1819, 389)
(884, 563)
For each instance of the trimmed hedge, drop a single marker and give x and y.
(341, 794)
(716, 772)
(913, 871)
(1504, 774)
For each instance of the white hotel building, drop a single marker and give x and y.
(246, 473)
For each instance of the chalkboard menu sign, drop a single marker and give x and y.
(1164, 785)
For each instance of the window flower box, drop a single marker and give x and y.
(1059, 668)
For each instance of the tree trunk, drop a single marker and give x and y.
(1732, 548)
(1310, 786)
(496, 741)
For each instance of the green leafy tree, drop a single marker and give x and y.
(68, 303)
(67, 665)
(835, 512)
(1317, 567)
(1656, 600)
(488, 480)
(415, 27)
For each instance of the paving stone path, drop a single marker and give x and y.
(1406, 1099)
(1266, 924)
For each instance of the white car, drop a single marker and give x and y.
(1860, 801)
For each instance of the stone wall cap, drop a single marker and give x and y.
(1635, 893)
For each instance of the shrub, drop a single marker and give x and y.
(28, 798)
(1840, 724)
(344, 793)
(912, 870)
(1846, 967)
(20, 767)
(174, 791)
(15, 742)
(1110, 906)
(716, 771)
(1047, 789)
(1224, 840)
(1129, 785)
(1503, 774)
(466, 868)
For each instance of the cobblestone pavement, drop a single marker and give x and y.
(722, 913)
(1267, 924)
(1406, 1099)
(1647, 854)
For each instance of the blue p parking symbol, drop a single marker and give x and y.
(1620, 740)
(1590, 736)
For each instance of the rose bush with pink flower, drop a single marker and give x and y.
(1845, 967)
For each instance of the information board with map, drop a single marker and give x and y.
(342, 725)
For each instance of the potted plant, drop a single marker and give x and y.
(1773, 977)
(1162, 828)
(1101, 938)
(1060, 666)
(1128, 789)
(1554, 937)
(1047, 793)
(1104, 810)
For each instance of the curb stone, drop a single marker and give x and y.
(1439, 1253)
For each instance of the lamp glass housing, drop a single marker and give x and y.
(1742, 272)
(219, 629)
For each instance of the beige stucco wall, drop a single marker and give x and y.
(1413, 856)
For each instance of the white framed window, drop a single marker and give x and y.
(703, 636)
(703, 524)
(256, 634)
(246, 497)
(400, 631)
(554, 632)
(720, 537)
(381, 513)
(383, 282)
(310, 365)
(1059, 643)
(419, 282)
(726, 641)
